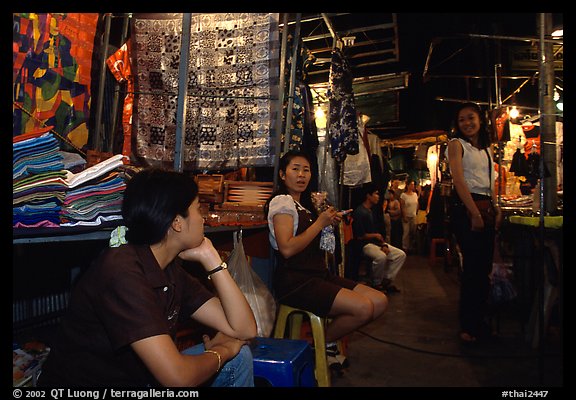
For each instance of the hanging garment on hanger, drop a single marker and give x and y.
(432, 159)
(356, 169)
(328, 171)
(342, 122)
(121, 67)
(519, 165)
(420, 157)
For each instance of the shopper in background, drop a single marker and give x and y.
(395, 212)
(121, 325)
(409, 206)
(301, 278)
(385, 206)
(470, 160)
(387, 260)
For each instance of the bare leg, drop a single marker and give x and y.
(353, 309)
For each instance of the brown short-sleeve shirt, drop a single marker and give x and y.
(124, 297)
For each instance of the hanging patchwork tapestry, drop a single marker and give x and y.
(231, 102)
(52, 59)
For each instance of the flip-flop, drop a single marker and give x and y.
(467, 338)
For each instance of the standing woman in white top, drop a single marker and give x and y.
(409, 207)
(471, 166)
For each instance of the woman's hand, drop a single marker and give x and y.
(477, 223)
(329, 217)
(499, 218)
(206, 254)
(231, 345)
(340, 215)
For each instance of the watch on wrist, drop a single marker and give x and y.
(221, 267)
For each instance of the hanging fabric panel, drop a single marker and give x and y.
(231, 102)
(51, 72)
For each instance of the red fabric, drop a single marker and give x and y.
(120, 66)
(32, 134)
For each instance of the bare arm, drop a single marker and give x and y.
(288, 244)
(230, 313)
(394, 209)
(171, 368)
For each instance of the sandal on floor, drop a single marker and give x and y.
(466, 338)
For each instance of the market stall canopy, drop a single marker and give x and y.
(415, 139)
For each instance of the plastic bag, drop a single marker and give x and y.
(502, 290)
(261, 301)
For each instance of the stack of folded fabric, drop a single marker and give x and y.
(47, 194)
(94, 196)
(36, 154)
(38, 184)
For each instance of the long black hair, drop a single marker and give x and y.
(484, 134)
(305, 197)
(152, 199)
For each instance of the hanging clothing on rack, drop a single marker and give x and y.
(379, 175)
(342, 121)
(121, 67)
(303, 132)
(356, 169)
(519, 165)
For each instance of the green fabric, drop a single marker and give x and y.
(554, 222)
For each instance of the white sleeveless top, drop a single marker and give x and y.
(475, 165)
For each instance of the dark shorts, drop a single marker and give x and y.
(313, 293)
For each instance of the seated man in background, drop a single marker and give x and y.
(386, 259)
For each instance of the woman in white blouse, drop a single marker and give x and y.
(302, 278)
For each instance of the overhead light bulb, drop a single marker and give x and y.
(319, 113)
(558, 33)
(560, 106)
(514, 112)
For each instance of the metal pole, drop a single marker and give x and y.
(295, 44)
(497, 84)
(100, 98)
(548, 123)
(497, 69)
(182, 89)
(280, 97)
(547, 129)
(116, 99)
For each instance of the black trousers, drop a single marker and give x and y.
(477, 249)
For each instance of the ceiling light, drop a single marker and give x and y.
(558, 33)
(514, 112)
(349, 40)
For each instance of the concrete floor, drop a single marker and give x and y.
(415, 343)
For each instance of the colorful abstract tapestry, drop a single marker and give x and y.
(52, 59)
(231, 103)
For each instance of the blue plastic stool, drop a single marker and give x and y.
(283, 362)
